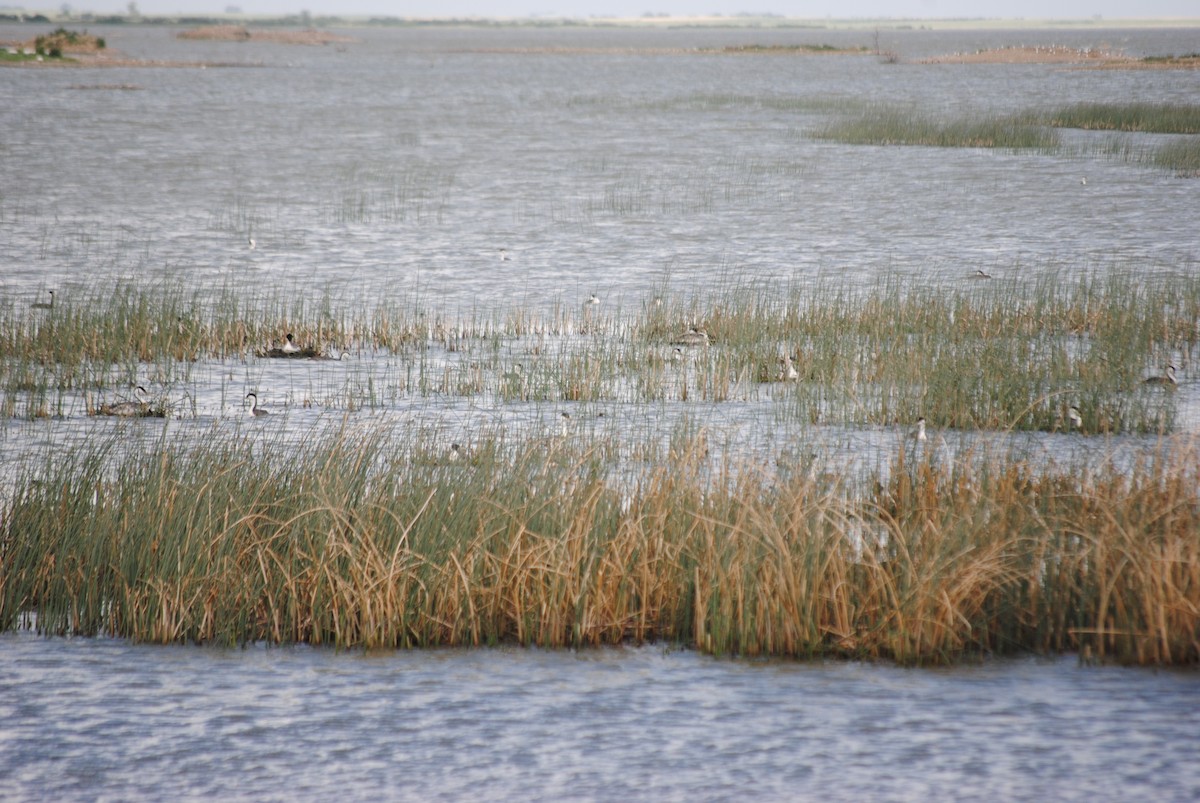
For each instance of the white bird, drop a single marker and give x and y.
(1168, 380)
(593, 299)
(980, 274)
(504, 255)
(251, 243)
(290, 347)
(565, 423)
(129, 409)
(43, 304)
(677, 354)
(1083, 181)
(788, 371)
(1074, 417)
(255, 410)
(918, 434)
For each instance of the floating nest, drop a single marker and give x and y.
(131, 410)
(306, 353)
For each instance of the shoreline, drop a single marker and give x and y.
(763, 22)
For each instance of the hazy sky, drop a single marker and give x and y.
(1029, 9)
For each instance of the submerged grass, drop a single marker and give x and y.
(366, 540)
(988, 354)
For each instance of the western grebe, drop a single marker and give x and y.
(43, 304)
(918, 434)
(1168, 379)
(504, 255)
(593, 299)
(980, 274)
(129, 409)
(788, 371)
(1074, 417)
(250, 242)
(290, 349)
(255, 410)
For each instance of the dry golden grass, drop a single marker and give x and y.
(937, 565)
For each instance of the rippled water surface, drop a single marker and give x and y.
(615, 162)
(611, 161)
(98, 719)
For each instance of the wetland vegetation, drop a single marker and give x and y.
(371, 539)
(992, 354)
(1035, 131)
(374, 537)
(572, 532)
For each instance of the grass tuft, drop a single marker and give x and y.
(360, 540)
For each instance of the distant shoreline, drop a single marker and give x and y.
(764, 22)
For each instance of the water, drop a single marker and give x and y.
(390, 163)
(101, 719)
(607, 161)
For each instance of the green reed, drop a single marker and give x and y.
(985, 354)
(369, 539)
(1153, 118)
(886, 126)
(1181, 157)
(993, 355)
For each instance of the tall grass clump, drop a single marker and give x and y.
(1181, 157)
(995, 355)
(368, 539)
(1152, 118)
(902, 127)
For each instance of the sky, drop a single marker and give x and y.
(812, 9)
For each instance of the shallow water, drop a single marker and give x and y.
(406, 160)
(101, 719)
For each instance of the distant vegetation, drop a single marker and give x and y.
(791, 49)
(240, 33)
(903, 127)
(1034, 131)
(1153, 118)
(55, 45)
(61, 41)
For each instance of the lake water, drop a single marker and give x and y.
(89, 719)
(605, 161)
